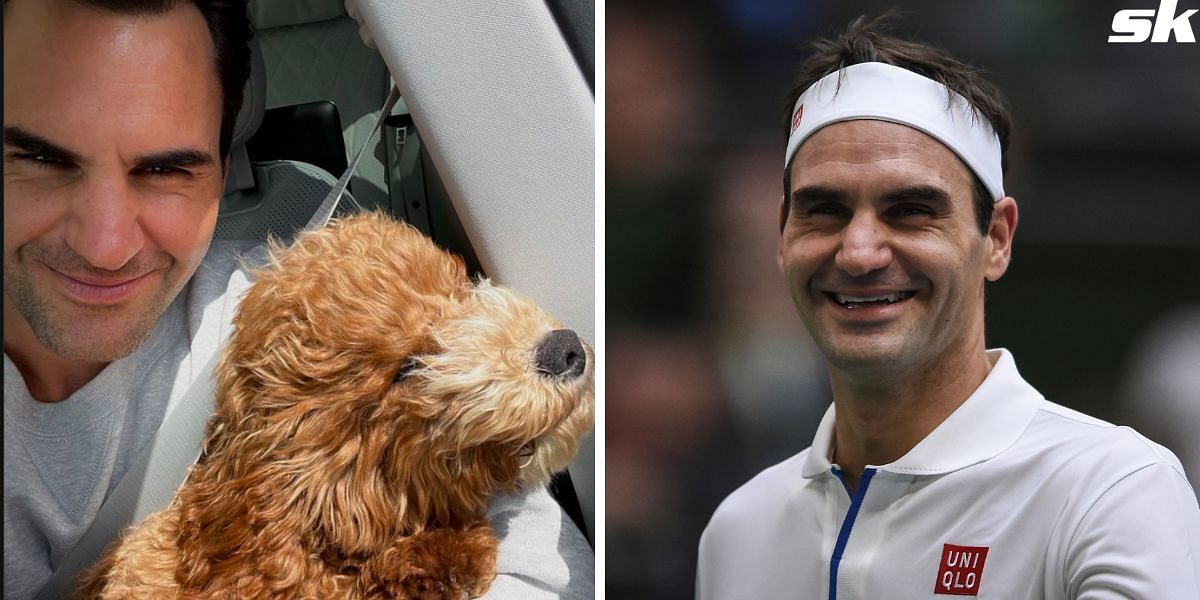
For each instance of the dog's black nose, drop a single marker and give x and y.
(560, 354)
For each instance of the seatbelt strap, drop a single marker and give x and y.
(325, 211)
(159, 471)
(147, 486)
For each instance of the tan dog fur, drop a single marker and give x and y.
(321, 477)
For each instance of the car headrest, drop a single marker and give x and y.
(266, 14)
(254, 104)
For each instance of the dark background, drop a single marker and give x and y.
(710, 375)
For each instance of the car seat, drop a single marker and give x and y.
(274, 197)
(318, 87)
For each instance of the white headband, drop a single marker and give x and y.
(888, 93)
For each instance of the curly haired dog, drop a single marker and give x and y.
(371, 400)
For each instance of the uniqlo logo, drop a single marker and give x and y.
(961, 570)
(796, 118)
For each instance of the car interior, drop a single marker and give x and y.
(489, 150)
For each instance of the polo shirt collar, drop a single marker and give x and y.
(986, 424)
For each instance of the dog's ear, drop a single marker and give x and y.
(281, 486)
(248, 518)
(273, 508)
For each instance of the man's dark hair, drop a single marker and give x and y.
(865, 41)
(229, 29)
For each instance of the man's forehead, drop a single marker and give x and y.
(866, 145)
(86, 78)
(64, 30)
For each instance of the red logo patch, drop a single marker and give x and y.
(960, 570)
(796, 118)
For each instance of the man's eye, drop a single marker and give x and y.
(163, 172)
(826, 209)
(908, 210)
(41, 161)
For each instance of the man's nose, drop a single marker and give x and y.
(104, 226)
(865, 246)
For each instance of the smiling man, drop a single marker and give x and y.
(118, 118)
(938, 470)
(108, 210)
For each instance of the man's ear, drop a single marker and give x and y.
(1000, 237)
(783, 212)
(782, 221)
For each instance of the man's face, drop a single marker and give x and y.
(883, 256)
(112, 175)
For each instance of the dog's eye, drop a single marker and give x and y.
(406, 369)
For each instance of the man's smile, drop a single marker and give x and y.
(860, 300)
(91, 290)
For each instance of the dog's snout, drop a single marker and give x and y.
(560, 354)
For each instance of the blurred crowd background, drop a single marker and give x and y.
(710, 375)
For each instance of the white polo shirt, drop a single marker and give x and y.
(1010, 497)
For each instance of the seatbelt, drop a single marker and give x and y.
(159, 471)
(147, 486)
(325, 211)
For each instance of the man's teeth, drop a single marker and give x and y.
(888, 298)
